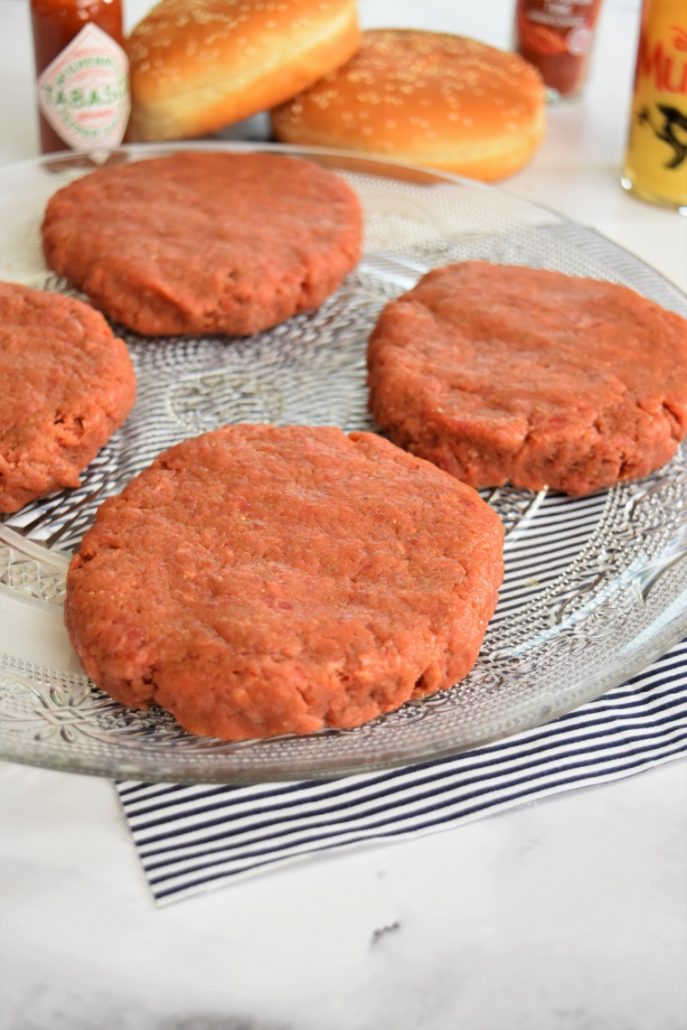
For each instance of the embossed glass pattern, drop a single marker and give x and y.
(595, 588)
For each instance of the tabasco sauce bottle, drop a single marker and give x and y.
(655, 166)
(81, 72)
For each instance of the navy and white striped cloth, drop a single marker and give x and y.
(193, 838)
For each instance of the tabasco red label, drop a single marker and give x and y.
(656, 160)
(84, 92)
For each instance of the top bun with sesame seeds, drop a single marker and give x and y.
(198, 65)
(424, 98)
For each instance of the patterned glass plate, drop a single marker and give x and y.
(595, 589)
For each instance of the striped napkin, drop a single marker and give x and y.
(193, 838)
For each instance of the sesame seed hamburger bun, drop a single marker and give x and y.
(198, 65)
(424, 98)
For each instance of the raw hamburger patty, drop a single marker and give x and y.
(500, 373)
(204, 242)
(260, 580)
(67, 384)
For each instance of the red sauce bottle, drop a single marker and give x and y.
(556, 37)
(82, 73)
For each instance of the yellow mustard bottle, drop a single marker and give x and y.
(655, 166)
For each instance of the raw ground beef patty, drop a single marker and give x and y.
(260, 580)
(67, 383)
(204, 242)
(496, 373)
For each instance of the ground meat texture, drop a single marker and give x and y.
(262, 580)
(67, 383)
(500, 373)
(204, 242)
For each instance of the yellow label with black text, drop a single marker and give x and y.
(656, 158)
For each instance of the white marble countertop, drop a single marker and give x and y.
(570, 914)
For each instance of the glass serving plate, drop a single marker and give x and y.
(595, 589)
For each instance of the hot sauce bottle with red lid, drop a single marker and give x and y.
(556, 36)
(82, 74)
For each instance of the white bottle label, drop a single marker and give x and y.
(84, 92)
